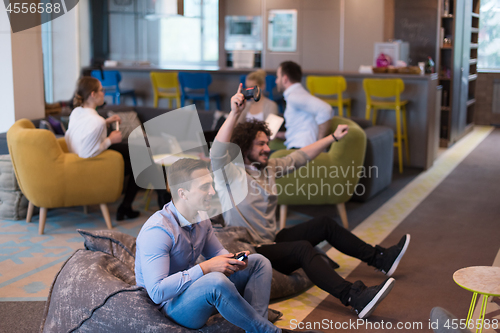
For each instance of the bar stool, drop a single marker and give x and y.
(484, 280)
(322, 86)
(377, 92)
(166, 85)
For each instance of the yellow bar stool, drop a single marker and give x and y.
(484, 280)
(166, 85)
(379, 94)
(323, 86)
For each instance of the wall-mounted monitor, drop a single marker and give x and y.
(282, 30)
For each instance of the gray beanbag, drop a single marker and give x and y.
(95, 291)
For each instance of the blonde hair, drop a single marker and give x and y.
(258, 76)
(84, 88)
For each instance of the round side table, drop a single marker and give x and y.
(484, 280)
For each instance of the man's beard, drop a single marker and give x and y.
(256, 163)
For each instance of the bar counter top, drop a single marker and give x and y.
(420, 91)
(217, 69)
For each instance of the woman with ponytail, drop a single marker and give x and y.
(86, 135)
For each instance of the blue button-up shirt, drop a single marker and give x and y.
(167, 248)
(303, 114)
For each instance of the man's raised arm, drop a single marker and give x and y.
(237, 106)
(317, 147)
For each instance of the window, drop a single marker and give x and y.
(151, 31)
(489, 35)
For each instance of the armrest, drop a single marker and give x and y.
(63, 144)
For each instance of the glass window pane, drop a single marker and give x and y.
(489, 35)
(211, 30)
(180, 40)
(151, 30)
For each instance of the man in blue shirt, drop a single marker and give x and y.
(169, 244)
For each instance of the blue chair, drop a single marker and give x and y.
(243, 79)
(110, 83)
(197, 81)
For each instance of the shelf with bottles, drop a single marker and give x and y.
(445, 93)
(444, 129)
(446, 34)
(447, 9)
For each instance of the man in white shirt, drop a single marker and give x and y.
(307, 118)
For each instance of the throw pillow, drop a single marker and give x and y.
(112, 242)
(44, 124)
(56, 125)
(130, 121)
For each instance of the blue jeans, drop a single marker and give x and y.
(216, 292)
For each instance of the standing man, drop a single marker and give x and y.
(307, 118)
(168, 246)
(294, 247)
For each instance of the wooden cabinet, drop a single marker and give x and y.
(457, 67)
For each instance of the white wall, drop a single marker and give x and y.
(84, 31)
(332, 35)
(65, 54)
(27, 64)
(21, 74)
(364, 25)
(7, 114)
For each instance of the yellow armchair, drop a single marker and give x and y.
(50, 177)
(330, 178)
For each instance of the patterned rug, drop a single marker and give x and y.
(29, 261)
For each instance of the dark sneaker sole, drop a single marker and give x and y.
(398, 259)
(370, 307)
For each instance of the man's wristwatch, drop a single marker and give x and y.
(334, 138)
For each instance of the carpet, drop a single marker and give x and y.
(29, 262)
(455, 226)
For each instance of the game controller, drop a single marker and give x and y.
(240, 256)
(253, 92)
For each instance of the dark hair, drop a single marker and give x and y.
(245, 133)
(85, 86)
(180, 172)
(292, 70)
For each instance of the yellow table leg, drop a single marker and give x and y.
(482, 313)
(471, 307)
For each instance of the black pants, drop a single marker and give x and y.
(131, 187)
(294, 249)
